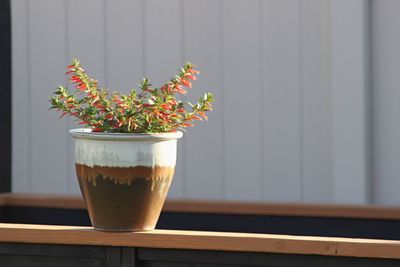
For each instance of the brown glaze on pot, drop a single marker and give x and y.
(124, 198)
(123, 175)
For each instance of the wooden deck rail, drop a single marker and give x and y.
(196, 240)
(221, 207)
(36, 245)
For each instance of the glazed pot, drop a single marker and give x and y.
(124, 178)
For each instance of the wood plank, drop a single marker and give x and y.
(53, 251)
(287, 209)
(170, 257)
(221, 207)
(40, 261)
(4, 199)
(349, 247)
(128, 257)
(44, 201)
(113, 257)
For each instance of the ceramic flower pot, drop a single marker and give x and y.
(124, 178)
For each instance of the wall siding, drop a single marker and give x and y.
(281, 100)
(48, 172)
(20, 93)
(315, 104)
(267, 61)
(206, 140)
(385, 105)
(241, 110)
(350, 101)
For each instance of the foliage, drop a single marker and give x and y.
(152, 110)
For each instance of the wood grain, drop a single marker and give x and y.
(43, 201)
(287, 209)
(221, 207)
(45, 234)
(3, 199)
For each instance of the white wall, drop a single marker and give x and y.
(386, 101)
(276, 133)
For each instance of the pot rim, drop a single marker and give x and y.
(86, 133)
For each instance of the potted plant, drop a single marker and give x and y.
(125, 157)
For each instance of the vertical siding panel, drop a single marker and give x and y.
(350, 101)
(124, 44)
(385, 95)
(72, 182)
(317, 139)
(203, 149)
(86, 41)
(21, 172)
(47, 56)
(281, 100)
(163, 39)
(163, 54)
(241, 62)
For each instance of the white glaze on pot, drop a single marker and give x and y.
(125, 150)
(125, 153)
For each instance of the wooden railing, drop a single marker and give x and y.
(221, 207)
(199, 240)
(30, 244)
